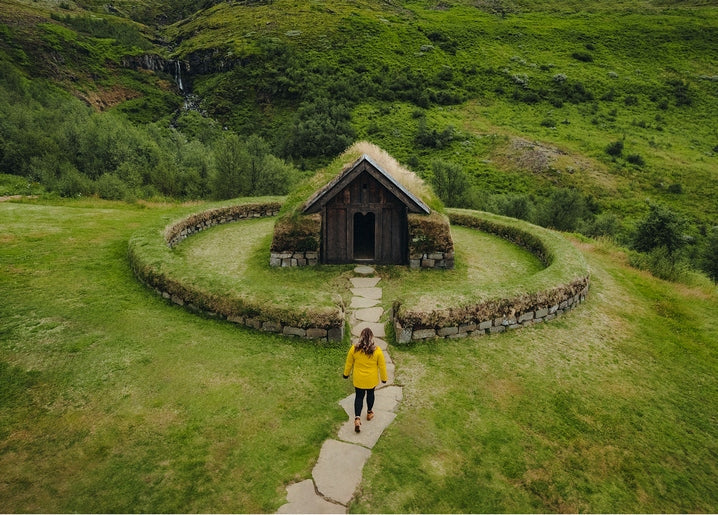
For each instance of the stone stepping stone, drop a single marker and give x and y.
(370, 430)
(369, 314)
(385, 399)
(364, 282)
(338, 471)
(364, 270)
(376, 328)
(302, 498)
(363, 302)
(383, 346)
(369, 293)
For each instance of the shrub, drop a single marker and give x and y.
(681, 92)
(635, 159)
(709, 256)
(615, 148)
(661, 228)
(660, 263)
(582, 56)
(73, 184)
(604, 224)
(562, 210)
(516, 206)
(675, 188)
(450, 181)
(111, 187)
(432, 138)
(320, 128)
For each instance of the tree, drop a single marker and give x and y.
(709, 261)
(257, 149)
(230, 157)
(320, 128)
(450, 181)
(277, 177)
(562, 210)
(661, 228)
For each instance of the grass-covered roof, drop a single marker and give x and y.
(408, 180)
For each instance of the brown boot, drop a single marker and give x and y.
(357, 424)
(370, 415)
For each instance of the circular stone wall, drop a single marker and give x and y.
(561, 285)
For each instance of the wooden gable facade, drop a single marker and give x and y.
(364, 216)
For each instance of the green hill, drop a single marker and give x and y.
(573, 115)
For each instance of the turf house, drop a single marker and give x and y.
(364, 214)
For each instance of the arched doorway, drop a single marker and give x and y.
(364, 236)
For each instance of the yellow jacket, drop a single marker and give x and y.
(366, 368)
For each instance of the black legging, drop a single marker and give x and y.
(359, 400)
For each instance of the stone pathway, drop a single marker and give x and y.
(338, 471)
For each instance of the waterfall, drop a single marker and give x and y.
(178, 76)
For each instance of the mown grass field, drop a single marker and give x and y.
(115, 401)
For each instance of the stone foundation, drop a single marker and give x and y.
(443, 260)
(288, 258)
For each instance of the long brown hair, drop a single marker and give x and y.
(366, 342)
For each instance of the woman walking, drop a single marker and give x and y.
(367, 361)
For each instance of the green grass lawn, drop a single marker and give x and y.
(235, 258)
(113, 400)
(611, 408)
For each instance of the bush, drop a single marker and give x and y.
(111, 187)
(605, 224)
(432, 138)
(661, 228)
(516, 206)
(709, 256)
(450, 182)
(582, 56)
(676, 188)
(681, 92)
(73, 184)
(635, 159)
(660, 263)
(320, 129)
(615, 148)
(562, 210)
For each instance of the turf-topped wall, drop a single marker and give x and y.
(178, 231)
(155, 263)
(560, 286)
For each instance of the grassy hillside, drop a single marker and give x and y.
(113, 400)
(553, 77)
(565, 79)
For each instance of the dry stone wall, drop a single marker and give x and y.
(486, 317)
(503, 314)
(506, 317)
(255, 316)
(221, 215)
